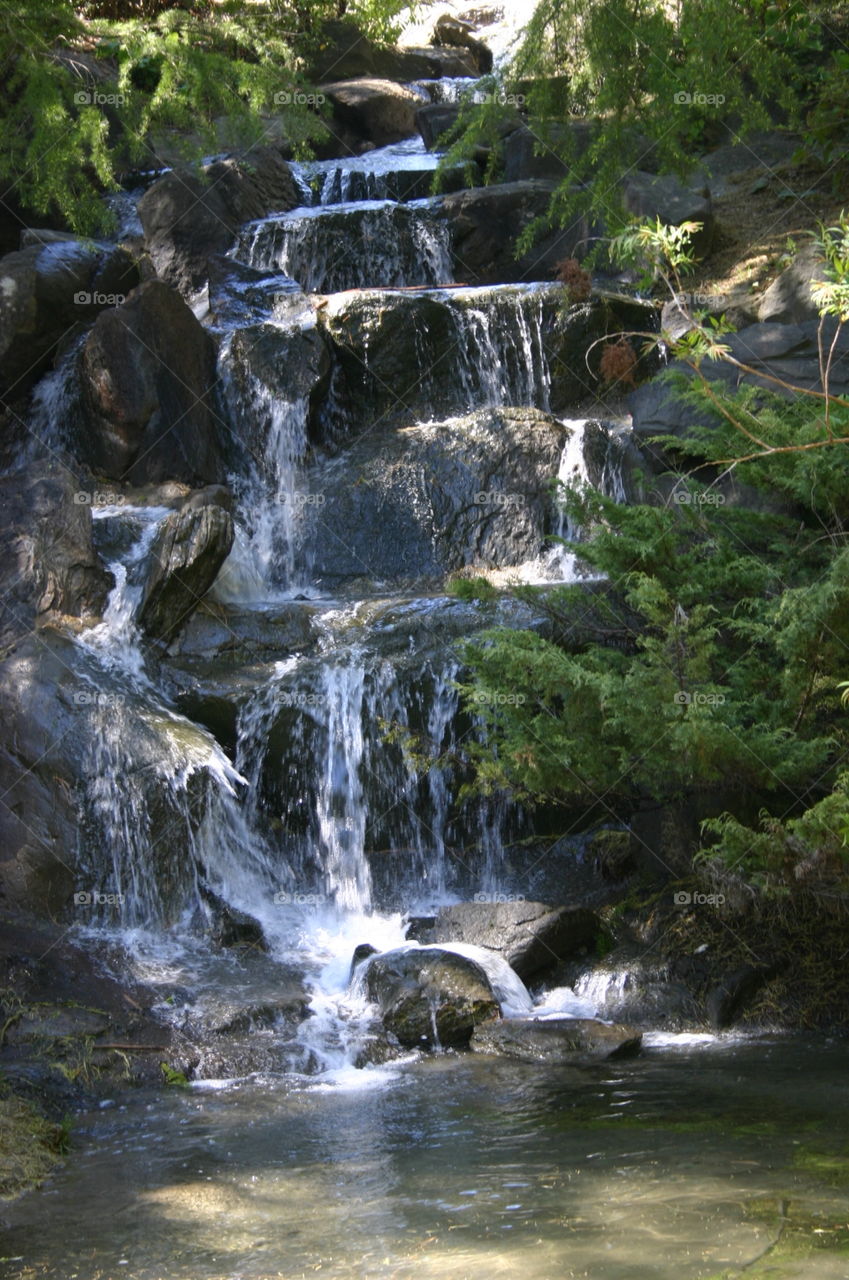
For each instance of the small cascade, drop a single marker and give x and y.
(352, 246)
(270, 496)
(403, 171)
(449, 89)
(500, 349)
(340, 803)
(116, 641)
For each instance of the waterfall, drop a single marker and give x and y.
(271, 499)
(349, 246)
(398, 172)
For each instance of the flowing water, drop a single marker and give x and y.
(690, 1162)
(335, 812)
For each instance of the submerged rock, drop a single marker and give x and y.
(429, 997)
(574, 1040)
(531, 936)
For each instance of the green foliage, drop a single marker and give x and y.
(87, 89)
(655, 78)
(172, 1076)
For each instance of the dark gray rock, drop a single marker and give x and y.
(190, 548)
(456, 33)
(531, 936)
(647, 195)
(728, 999)
(428, 996)
(347, 54)
(189, 219)
(50, 290)
(788, 299)
(486, 223)
(420, 502)
(376, 111)
(578, 1041)
(435, 119)
(148, 410)
(785, 351)
(49, 565)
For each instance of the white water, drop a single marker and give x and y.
(371, 243)
(373, 176)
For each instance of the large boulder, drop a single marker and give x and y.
(347, 54)
(376, 111)
(49, 565)
(456, 33)
(147, 374)
(788, 300)
(531, 936)
(788, 352)
(51, 288)
(417, 503)
(578, 1041)
(190, 547)
(650, 196)
(430, 997)
(486, 223)
(189, 219)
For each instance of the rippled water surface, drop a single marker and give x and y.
(694, 1160)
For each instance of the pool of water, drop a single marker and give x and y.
(705, 1158)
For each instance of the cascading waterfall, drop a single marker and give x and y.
(398, 172)
(340, 247)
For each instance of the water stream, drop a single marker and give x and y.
(323, 824)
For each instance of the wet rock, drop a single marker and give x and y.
(229, 927)
(647, 195)
(48, 290)
(435, 119)
(190, 548)
(486, 223)
(728, 999)
(347, 54)
(376, 111)
(49, 565)
(454, 32)
(531, 936)
(283, 364)
(189, 219)
(419, 502)
(148, 410)
(361, 953)
(579, 1041)
(642, 989)
(428, 996)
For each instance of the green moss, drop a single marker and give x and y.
(30, 1146)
